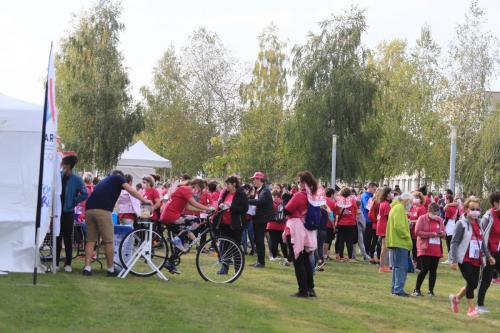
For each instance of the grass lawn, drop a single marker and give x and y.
(351, 298)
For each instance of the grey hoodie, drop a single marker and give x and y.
(461, 240)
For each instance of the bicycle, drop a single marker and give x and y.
(219, 259)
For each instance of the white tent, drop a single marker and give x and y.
(138, 160)
(20, 131)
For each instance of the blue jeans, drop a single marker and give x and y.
(399, 269)
(248, 234)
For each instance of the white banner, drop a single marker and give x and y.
(50, 160)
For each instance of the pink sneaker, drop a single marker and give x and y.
(473, 313)
(496, 281)
(454, 303)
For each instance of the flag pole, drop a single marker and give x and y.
(40, 179)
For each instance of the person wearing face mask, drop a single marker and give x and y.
(429, 230)
(417, 210)
(490, 224)
(398, 241)
(73, 192)
(384, 210)
(467, 248)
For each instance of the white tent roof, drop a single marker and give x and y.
(141, 156)
(19, 116)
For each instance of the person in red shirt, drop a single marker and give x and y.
(301, 242)
(429, 230)
(330, 234)
(180, 200)
(151, 194)
(490, 224)
(451, 216)
(212, 194)
(234, 205)
(275, 230)
(467, 247)
(345, 223)
(383, 215)
(374, 205)
(417, 210)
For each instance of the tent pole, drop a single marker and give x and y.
(54, 242)
(40, 184)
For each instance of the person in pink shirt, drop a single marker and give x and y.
(301, 242)
(429, 230)
(418, 209)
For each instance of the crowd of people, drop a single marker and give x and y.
(305, 225)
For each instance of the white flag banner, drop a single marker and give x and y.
(50, 157)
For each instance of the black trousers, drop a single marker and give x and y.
(486, 278)
(471, 276)
(414, 255)
(67, 221)
(448, 242)
(370, 240)
(429, 265)
(346, 235)
(277, 240)
(321, 238)
(259, 230)
(235, 235)
(379, 246)
(303, 269)
(330, 236)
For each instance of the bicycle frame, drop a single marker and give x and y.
(176, 254)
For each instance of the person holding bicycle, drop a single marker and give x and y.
(233, 204)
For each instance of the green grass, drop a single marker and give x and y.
(351, 298)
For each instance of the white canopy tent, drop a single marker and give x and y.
(20, 133)
(138, 160)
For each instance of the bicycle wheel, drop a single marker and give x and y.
(136, 241)
(220, 260)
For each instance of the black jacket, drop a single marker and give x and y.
(264, 206)
(238, 209)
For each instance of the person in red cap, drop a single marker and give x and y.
(264, 213)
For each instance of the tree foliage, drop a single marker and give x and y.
(192, 108)
(472, 61)
(171, 128)
(264, 101)
(333, 94)
(97, 118)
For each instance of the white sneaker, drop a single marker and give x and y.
(446, 262)
(68, 269)
(482, 309)
(274, 259)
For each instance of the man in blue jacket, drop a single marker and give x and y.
(73, 192)
(370, 238)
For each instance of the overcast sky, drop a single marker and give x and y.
(28, 27)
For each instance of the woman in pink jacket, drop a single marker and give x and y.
(429, 231)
